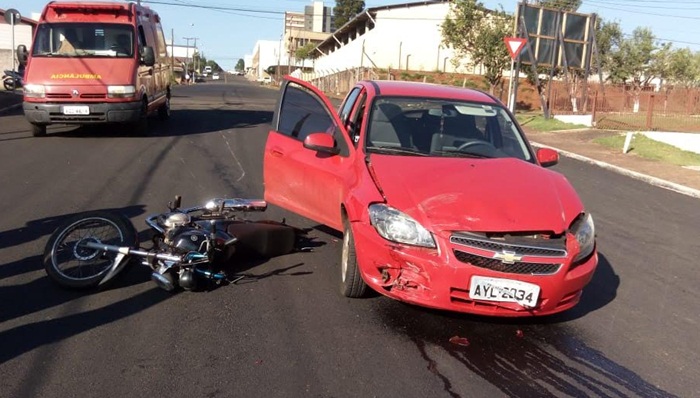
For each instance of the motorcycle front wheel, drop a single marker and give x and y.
(71, 264)
(9, 83)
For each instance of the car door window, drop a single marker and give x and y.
(354, 123)
(302, 113)
(346, 106)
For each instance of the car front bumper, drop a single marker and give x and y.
(437, 278)
(102, 112)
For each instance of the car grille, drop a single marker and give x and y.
(542, 247)
(522, 268)
(57, 96)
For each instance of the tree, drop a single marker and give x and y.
(240, 65)
(566, 5)
(476, 34)
(608, 37)
(345, 10)
(637, 60)
(684, 68)
(305, 51)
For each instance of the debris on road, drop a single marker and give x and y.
(463, 341)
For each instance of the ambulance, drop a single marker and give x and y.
(96, 63)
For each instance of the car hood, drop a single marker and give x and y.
(486, 195)
(61, 71)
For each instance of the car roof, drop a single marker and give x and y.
(427, 90)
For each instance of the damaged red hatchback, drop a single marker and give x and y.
(442, 201)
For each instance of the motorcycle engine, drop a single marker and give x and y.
(185, 239)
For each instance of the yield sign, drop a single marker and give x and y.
(514, 45)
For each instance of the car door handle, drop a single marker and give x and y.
(276, 153)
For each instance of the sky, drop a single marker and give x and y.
(227, 35)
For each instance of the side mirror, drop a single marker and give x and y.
(22, 54)
(148, 57)
(547, 157)
(321, 142)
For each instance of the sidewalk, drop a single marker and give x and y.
(580, 142)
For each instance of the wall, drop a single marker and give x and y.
(23, 35)
(407, 31)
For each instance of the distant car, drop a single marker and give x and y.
(215, 76)
(440, 198)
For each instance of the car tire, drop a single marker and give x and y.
(351, 282)
(38, 130)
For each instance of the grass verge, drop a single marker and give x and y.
(539, 123)
(651, 149)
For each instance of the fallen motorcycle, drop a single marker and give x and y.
(190, 245)
(11, 80)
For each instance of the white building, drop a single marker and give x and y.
(267, 53)
(248, 62)
(24, 30)
(181, 51)
(403, 36)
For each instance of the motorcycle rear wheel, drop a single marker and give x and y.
(9, 83)
(74, 266)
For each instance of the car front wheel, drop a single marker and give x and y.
(352, 284)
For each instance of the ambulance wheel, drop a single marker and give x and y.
(38, 130)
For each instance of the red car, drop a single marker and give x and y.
(442, 201)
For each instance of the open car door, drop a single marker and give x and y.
(308, 155)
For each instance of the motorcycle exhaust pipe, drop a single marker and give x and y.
(164, 281)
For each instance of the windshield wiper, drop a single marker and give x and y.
(392, 150)
(461, 154)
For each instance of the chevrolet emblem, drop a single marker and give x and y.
(507, 257)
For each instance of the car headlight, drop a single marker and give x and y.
(583, 230)
(396, 226)
(35, 91)
(121, 91)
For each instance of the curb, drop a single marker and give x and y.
(658, 182)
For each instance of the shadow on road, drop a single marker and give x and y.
(36, 229)
(25, 338)
(181, 123)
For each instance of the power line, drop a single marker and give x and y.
(642, 6)
(226, 10)
(641, 12)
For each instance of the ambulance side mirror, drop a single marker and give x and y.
(22, 54)
(148, 57)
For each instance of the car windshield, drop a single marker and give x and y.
(443, 128)
(84, 40)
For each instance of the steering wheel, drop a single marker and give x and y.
(474, 143)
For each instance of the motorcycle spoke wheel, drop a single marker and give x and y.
(71, 264)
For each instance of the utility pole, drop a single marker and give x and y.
(172, 53)
(195, 60)
(187, 56)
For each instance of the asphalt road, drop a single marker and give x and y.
(285, 331)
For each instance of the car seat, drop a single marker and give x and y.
(457, 130)
(389, 127)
